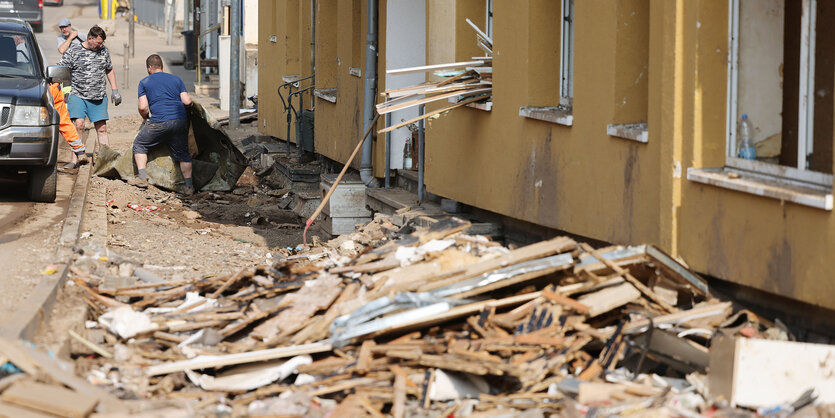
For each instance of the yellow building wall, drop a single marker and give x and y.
(574, 178)
(782, 248)
(663, 62)
(282, 19)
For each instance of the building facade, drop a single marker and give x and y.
(614, 120)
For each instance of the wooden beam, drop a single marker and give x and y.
(429, 99)
(434, 67)
(630, 278)
(434, 112)
(239, 358)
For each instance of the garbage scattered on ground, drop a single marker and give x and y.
(426, 321)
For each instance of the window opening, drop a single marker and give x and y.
(779, 78)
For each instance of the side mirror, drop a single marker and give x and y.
(57, 74)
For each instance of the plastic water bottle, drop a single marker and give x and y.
(745, 141)
(407, 154)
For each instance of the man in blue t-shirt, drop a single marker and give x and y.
(162, 101)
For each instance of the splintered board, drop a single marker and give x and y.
(51, 399)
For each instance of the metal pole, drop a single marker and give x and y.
(370, 96)
(289, 119)
(131, 30)
(313, 42)
(127, 68)
(421, 148)
(299, 150)
(169, 24)
(388, 151)
(196, 23)
(235, 67)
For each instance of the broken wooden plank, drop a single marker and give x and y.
(468, 73)
(565, 300)
(605, 300)
(235, 327)
(434, 67)
(239, 358)
(434, 112)
(95, 347)
(8, 410)
(479, 32)
(429, 99)
(315, 295)
(631, 279)
(49, 398)
(398, 408)
(232, 280)
(364, 357)
(539, 250)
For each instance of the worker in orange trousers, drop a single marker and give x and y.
(67, 128)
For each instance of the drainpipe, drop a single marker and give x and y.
(366, 172)
(312, 43)
(235, 67)
(421, 153)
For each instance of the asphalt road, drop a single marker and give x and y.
(29, 231)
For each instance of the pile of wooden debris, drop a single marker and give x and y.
(461, 83)
(383, 322)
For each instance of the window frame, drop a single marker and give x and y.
(567, 49)
(488, 21)
(805, 116)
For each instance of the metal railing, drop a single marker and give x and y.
(150, 13)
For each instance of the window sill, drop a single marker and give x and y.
(554, 114)
(485, 106)
(291, 78)
(764, 185)
(326, 94)
(634, 131)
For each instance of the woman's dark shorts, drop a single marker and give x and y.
(174, 132)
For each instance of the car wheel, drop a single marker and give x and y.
(37, 27)
(43, 184)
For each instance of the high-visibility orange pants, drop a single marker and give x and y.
(66, 126)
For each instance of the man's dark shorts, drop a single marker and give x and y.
(174, 132)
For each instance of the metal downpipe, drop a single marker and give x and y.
(366, 167)
(421, 149)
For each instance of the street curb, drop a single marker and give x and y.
(38, 307)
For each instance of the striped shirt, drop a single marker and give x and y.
(88, 70)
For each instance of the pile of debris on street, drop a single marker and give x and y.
(421, 321)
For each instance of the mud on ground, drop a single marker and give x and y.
(176, 237)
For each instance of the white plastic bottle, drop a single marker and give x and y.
(745, 139)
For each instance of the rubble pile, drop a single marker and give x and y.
(417, 321)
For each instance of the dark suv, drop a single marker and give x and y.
(28, 10)
(28, 120)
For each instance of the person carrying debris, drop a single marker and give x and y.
(162, 101)
(90, 67)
